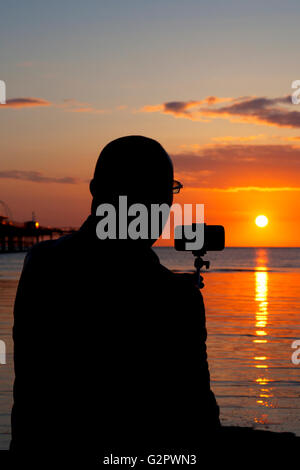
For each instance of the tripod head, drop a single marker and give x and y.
(214, 240)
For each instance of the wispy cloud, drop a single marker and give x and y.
(68, 105)
(184, 109)
(74, 106)
(277, 111)
(238, 139)
(36, 177)
(19, 103)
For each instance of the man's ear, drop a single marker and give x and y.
(92, 187)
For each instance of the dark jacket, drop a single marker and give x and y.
(109, 352)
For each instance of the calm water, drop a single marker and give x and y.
(252, 299)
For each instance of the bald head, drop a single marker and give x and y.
(135, 166)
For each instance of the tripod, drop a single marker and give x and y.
(199, 263)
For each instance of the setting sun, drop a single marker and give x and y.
(261, 221)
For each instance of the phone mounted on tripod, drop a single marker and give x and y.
(213, 240)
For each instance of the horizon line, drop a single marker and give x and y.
(246, 246)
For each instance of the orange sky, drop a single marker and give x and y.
(237, 177)
(216, 96)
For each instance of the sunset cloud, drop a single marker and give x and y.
(278, 111)
(227, 165)
(68, 105)
(74, 106)
(36, 177)
(237, 139)
(185, 109)
(19, 103)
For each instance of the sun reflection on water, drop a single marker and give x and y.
(261, 322)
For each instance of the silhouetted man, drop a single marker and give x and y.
(110, 352)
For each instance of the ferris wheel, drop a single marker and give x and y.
(5, 210)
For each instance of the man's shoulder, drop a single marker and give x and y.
(47, 249)
(183, 284)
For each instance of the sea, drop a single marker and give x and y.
(252, 301)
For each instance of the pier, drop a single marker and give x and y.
(17, 237)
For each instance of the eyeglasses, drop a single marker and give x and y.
(177, 186)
